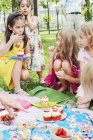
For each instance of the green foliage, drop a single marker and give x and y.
(45, 18)
(15, 5)
(45, 3)
(5, 5)
(88, 11)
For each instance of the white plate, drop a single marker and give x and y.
(40, 117)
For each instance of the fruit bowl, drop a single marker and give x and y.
(60, 133)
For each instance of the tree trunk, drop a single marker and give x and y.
(48, 17)
(57, 12)
(35, 8)
(13, 5)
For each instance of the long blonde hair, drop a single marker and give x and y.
(87, 76)
(87, 29)
(69, 45)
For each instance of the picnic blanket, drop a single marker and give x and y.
(54, 96)
(79, 122)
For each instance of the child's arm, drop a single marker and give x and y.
(63, 75)
(32, 22)
(4, 47)
(9, 103)
(52, 53)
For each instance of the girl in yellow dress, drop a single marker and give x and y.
(13, 70)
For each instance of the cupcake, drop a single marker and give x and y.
(44, 101)
(47, 115)
(20, 54)
(56, 115)
(60, 108)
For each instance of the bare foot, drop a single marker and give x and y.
(21, 92)
(84, 106)
(62, 89)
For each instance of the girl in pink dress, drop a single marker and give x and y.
(65, 67)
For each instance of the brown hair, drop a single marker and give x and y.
(29, 2)
(87, 29)
(69, 45)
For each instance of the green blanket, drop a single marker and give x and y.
(53, 95)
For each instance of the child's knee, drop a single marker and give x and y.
(25, 75)
(57, 65)
(65, 65)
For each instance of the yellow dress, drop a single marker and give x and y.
(7, 64)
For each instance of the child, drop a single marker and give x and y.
(85, 54)
(87, 84)
(65, 64)
(36, 50)
(13, 70)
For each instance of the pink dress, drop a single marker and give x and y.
(52, 81)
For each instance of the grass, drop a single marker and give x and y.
(47, 40)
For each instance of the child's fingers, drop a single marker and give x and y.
(19, 107)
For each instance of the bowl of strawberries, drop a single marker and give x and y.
(6, 119)
(60, 133)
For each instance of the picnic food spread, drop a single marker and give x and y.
(44, 101)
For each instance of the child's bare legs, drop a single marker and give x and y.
(67, 68)
(18, 73)
(58, 67)
(39, 73)
(83, 106)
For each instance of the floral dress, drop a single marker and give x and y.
(37, 62)
(7, 64)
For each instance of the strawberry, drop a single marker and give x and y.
(64, 132)
(59, 132)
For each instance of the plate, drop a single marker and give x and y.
(17, 57)
(40, 118)
(39, 106)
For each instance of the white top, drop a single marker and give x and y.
(72, 5)
(83, 56)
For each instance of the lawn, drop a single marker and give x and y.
(47, 40)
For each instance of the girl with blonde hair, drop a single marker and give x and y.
(65, 64)
(85, 54)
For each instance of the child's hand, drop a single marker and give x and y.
(52, 51)
(16, 38)
(9, 103)
(61, 74)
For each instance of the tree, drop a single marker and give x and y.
(45, 18)
(5, 6)
(35, 8)
(15, 5)
(46, 4)
(88, 11)
(57, 12)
